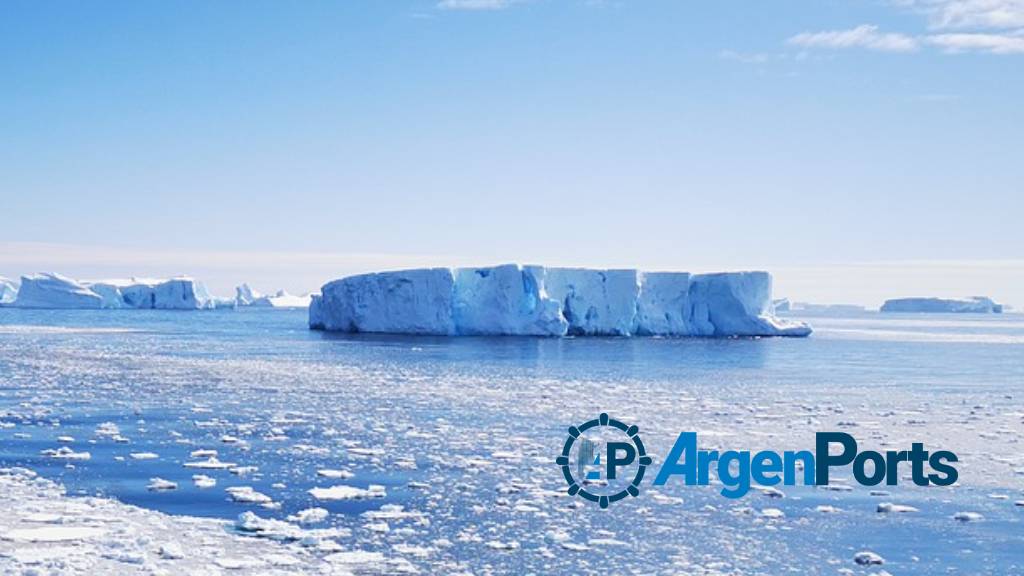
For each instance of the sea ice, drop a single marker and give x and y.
(156, 484)
(247, 495)
(65, 453)
(342, 492)
(868, 558)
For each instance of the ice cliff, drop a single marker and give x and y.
(539, 301)
(976, 304)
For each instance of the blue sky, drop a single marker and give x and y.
(197, 137)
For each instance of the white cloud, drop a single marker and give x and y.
(474, 4)
(867, 36)
(863, 36)
(970, 14)
(992, 43)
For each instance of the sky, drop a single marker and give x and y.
(857, 150)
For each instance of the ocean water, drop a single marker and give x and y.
(463, 433)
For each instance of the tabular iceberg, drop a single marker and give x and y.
(538, 301)
(48, 290)
(976, 305)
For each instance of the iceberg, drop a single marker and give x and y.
(974, 305)
(536, 301)
(49, 290)
(8, 291)
(246, 296)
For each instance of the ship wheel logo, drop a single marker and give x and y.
(603, 460)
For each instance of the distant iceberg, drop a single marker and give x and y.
(49, 290)
(246, 296)
(975, 305)
(539, 301)
(181, 293)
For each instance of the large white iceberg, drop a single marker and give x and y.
(49, 290)
(538, 301)
(975, 304)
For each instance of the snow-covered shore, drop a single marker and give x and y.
(44, 531)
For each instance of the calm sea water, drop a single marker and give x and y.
(463, 432)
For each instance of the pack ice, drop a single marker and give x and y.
(538, 301)
(49, 290)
